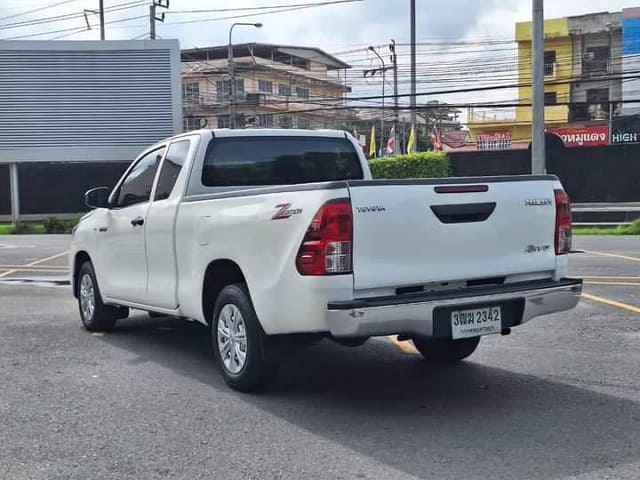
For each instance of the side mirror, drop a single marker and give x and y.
(97, 197)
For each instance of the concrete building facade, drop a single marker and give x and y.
(273, 82)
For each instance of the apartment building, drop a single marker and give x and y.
(276, 86)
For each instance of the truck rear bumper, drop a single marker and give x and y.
(413, 315)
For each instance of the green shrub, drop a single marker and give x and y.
(413, 165)
(56, 225)
(24, 228)
(633, 229)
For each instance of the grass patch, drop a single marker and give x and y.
(24, 228)
(633, 229)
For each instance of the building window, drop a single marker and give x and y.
(598, 95)
(304, 123)
(191, 92)
(193, 123)
(286, 121)
(223, 90)
(550, 98)
(284, 90)
(224, 121)
(549, 62)
(596, 60)
(265, 86)
(302, 92)
(265, 119)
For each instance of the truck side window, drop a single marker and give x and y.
(173, 163)
(137, 185)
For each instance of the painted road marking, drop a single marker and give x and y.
(622, 284)
(42, 260)
(37, 267)
(8, 272)
(595, 277)
(40, 270)
(406, 346)
(613, 303)
(614, 255)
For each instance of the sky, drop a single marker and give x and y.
(344, 29)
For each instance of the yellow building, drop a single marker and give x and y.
(504, 129)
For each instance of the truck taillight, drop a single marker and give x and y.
(563, 222)
(326, 248)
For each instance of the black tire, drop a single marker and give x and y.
(102, 318)
(256, 371)
(446, 350)
(156, 315)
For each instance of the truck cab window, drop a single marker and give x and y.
(173, 163)
(279, 160)
(137, 185)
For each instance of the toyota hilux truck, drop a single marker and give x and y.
(276, 236)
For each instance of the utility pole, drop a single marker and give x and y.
(101, 14)
(232, 73)
(384, 80)
(153, 17)
(412, 100)
(538, 160)
(394, 61)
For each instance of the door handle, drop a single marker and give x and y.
(138, 221)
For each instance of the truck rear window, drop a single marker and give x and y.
(259, 161)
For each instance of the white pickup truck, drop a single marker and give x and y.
(274, 235)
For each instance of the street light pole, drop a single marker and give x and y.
(232, 73)
(394, 60)
(538, 160)
(384, 69)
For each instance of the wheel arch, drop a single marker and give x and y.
(78, 260)
(218, 274)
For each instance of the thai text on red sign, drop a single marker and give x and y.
(582, 137)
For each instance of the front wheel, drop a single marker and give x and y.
(238, 341)
(446, 350)
(95, 315)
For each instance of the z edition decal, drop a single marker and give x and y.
(285, 211)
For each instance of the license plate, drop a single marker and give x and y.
(476, 322)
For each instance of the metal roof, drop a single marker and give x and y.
(308, 53)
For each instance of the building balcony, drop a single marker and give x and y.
(594, 68)
(586, 112)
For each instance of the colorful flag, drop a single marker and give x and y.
(411, 144)
(391, 143)
(436, 139)
(372, 142)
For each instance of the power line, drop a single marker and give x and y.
(39, 9)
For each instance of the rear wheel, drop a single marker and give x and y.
(95, 315)
(238, 341)
(446, 350)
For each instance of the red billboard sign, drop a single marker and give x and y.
(583, 136)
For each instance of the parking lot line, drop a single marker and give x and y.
(600, 277)
(406, 346)
(42, 260)
(626, 284)
(614, 255)
(8, 272)
(34, 268)
(613, 303)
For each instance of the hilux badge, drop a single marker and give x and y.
(537, 202)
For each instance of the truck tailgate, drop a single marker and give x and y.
(413, 232)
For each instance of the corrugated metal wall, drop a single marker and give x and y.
(73, 98)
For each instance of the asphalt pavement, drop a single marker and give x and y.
(559, 398)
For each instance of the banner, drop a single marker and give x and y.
(496, 140)
(582, 136)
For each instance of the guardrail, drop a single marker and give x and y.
(631, 209)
